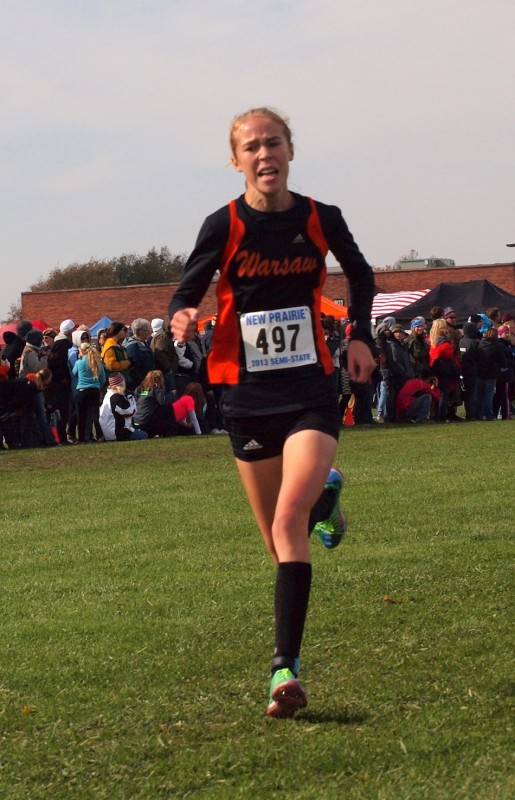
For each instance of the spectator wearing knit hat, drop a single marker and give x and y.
(32, 358)
(450, 317)
(117, 412)
(418, 346)
(399, 365)
(14, 348)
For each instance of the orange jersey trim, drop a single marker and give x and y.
(316, 234)
(224, 359)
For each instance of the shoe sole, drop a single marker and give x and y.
(287, 699)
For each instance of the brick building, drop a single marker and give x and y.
(125, 303)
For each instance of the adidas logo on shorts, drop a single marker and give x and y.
(252, 445)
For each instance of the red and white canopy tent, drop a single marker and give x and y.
(386, 304)
(383, 305)
(11, 326)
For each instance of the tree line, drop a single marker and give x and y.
(125, 270)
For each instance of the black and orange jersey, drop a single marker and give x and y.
(268, 346)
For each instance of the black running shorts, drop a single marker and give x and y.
(257, 438)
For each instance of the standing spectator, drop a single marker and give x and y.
(49, 335)
(15, 342)
(501, 401)
(418, 346)
(32, 357)
(113, 353)
(139, 352)
(90, 374)
(491, 359)
(79, 335)
(468, 348)
(449, 316)
(165, 354)
(385, 388)
(33, 361)
(400, 367)
(60, 389)
(494, 315)
(443, 363)
(101, 339)
(19, 423)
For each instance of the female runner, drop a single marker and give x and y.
(279, 385)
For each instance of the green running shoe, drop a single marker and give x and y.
(331, 531)
(287, 695)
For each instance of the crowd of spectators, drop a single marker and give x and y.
(426, 373)
(63, 387)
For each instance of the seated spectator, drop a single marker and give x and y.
(188, 406)
(154, 413)
(90, 375)
(113, 353)
(117, 412)
(139, 352)
(415, 398)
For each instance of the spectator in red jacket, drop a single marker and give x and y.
(415, 398)
(444, 363)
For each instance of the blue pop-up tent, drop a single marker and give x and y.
(103, 322)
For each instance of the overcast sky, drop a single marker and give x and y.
(115, 115)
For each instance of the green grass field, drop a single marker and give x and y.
(137, 625)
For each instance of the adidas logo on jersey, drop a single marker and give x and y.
(252, 445)
(299, 239)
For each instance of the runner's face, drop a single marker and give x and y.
(263, 154)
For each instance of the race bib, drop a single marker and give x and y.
(278, 339)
